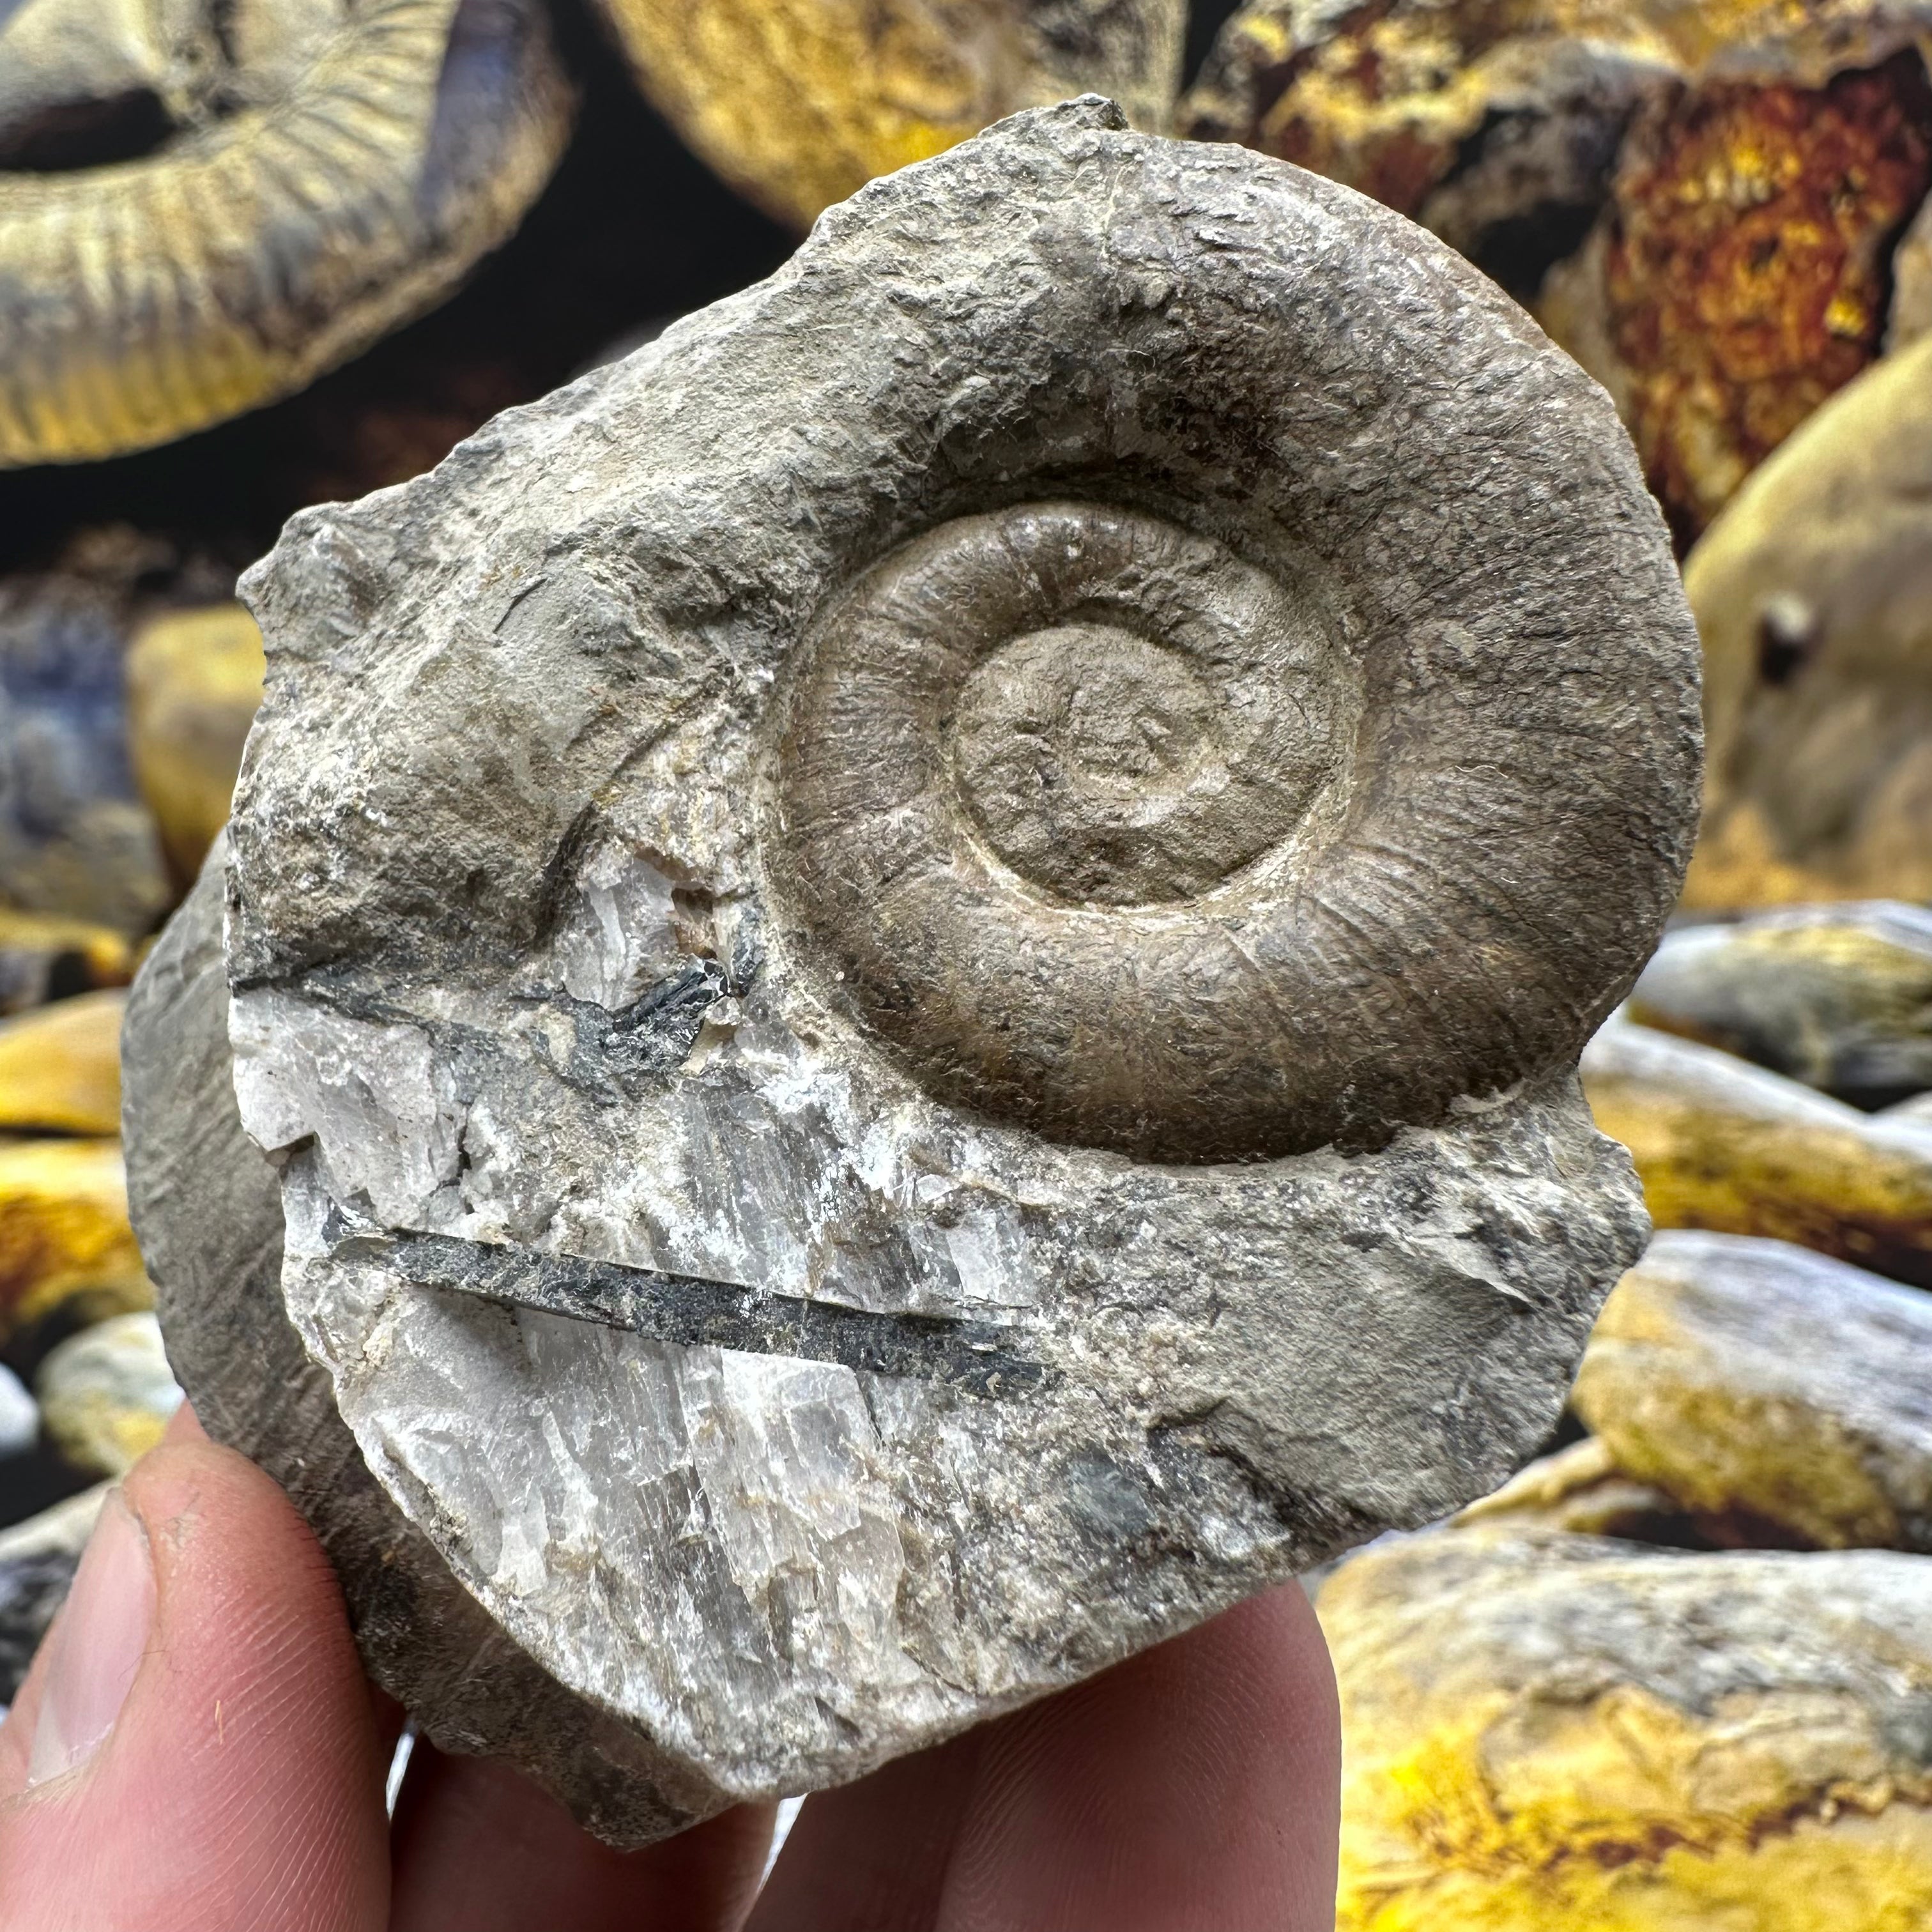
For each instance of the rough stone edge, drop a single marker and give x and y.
(206, 1207)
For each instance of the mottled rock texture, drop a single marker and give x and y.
(1559, 1731)
(1838, 996)
(1755, 1379)
(863, 1130)
(106, 1394)
(797, 103)
(1722, 1145)
(1741, 169)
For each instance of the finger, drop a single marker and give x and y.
(195, 1749)
(1195, 1785)
(478, 1848)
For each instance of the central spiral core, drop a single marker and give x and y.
(1037, 768)
(1095, 764)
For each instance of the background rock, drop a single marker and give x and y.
(37, 1561)
(1720, 1143)
(106, 1394)
(1839, 997)
(60, 1067)
(1751, 1378)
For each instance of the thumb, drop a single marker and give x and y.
(195, 1749)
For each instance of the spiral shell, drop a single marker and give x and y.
(273, 237)
(803, 914)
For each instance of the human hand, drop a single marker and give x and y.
(196, 1750)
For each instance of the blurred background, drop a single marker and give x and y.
(263, 253)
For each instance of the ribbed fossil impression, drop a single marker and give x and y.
(914, 965)
(203, 209)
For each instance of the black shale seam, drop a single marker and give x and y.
(977, 1357)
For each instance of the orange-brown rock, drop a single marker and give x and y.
(1746, 167)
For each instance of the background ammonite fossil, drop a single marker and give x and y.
(914, 964)
(200, 214)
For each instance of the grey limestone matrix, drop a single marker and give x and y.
(910, 969)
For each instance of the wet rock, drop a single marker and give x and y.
(60, 1067)
(65, 1245)
(994, 1322)
(1563, 1731)
(1746, 170)
(1813, 594)
(799, 102)
(37, 1561)
(1722, 1145)
(194, 680)
(106, 1394)
(1839, 997)
(20, 1417)
(1582, 1491)
(1755, 1380)
(44, 957)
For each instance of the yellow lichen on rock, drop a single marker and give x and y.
(194, 683)
(64, 1238)
(799, 102)
(1581, 1490)
(60, 1067)
(1779, 1390)
(44, 956)
(1553, 1731)
(1723, 1145)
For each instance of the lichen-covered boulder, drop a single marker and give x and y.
(918, 1038)
(1559, 1731)
(1758, 1381)
(1837, 996)
(798, 102)
(1722, 1145)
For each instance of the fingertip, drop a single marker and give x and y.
(240, 1783)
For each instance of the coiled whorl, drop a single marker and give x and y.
(144, 300)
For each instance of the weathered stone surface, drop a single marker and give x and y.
(106, 1394)
(64, 1240)
(1746, 165)
(194, 679)
(798, 102)
(1555, 1731)
(1720, 1144)
(60, 1067)
(1756, 1380)
(1814, 593)
(283, 187)
(1580, 1490)
(45, 957)
(37, 1561)
(1839, 997)
(19, 1415)
(742, 1128)
(208, 1207)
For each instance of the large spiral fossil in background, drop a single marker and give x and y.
(197, 218)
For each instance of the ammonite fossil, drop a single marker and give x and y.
(797, 103)
(202, 210)
(914, 965)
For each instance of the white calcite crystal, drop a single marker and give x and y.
(914, 964)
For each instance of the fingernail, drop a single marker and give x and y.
(96, 1644)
